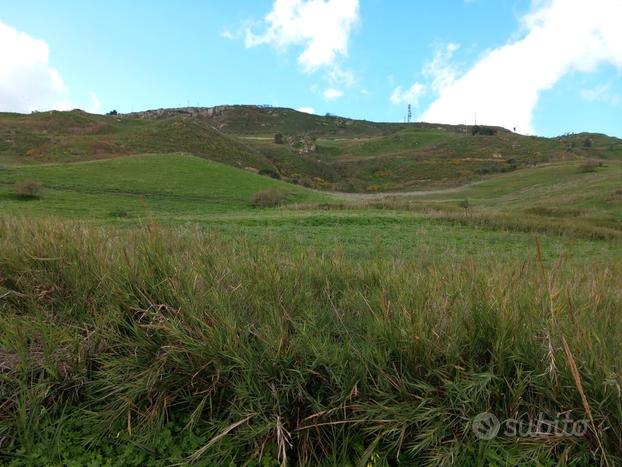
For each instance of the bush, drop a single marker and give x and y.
(464, 204)
(268, 198)
(119, 213)
(589, 166)
(278, 138)
(270, 173)
(28, 189)
(483, 131)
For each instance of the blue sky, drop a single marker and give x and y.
(543, 66)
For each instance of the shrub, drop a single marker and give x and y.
(278, 138)
(464, 204)
(589, 166)
(28, 189)
(483, 131)
(268, 198)
(119, 213)
(270, 173)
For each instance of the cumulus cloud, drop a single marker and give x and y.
(227, 34)
(96, 105)
(332, 94)
(559, 36)
(409, 96)
(439, 73)
(27, 81)
(321, 27)
(601, 93)
(307, 110)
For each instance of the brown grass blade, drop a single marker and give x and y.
(199, 453)
(577, 379)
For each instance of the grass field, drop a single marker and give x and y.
(156, 346)
(186, 190)
(137, 187)
(153, 315)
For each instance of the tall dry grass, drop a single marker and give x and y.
(295, 357)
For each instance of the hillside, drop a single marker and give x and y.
(172, 186)
(331, 153)
(78, 136)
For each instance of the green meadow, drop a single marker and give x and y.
(154, 312)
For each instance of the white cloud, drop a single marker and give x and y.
(307, 110)
(440, 71)
(321, 27)
(332, 94)
(601, 93)
(409, 96)
(336, 74)
(96, 104)
(227, 34)
(504, 87)
(27, 81)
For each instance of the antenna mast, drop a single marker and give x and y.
(410, 113)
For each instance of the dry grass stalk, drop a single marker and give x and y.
(586, 406)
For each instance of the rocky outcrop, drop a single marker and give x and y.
(196, 112)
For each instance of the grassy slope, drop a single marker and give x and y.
(560, 188)
(140, 186)
(350, 155)
(353, 155)
(78, 136)
(177, 189)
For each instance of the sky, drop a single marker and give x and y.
(544, 67)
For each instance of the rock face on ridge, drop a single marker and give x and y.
(200, 112)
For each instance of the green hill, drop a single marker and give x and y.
(78, 136)
(172, 186)
(330, 152)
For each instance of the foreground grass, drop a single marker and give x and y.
(158, 345)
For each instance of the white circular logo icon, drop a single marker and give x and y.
(486, 426)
